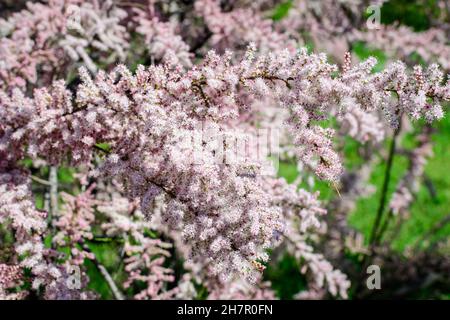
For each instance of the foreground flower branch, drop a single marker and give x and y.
(164, 169)
(226, 217)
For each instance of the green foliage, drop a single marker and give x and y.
(108, 255)
(415, 14)
(363, 51)
(281, 10)
(288, 170)
(285, 277)
(103, 146)
(351, 156)
(428, 208)
(366, 208)
(97, 282)
(65, 175)
(39, 201)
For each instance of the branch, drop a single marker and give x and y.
(384, 190)
(271, 78)
(383, 228)
(118, 295)
(116, 292)
(53, 181)
(39, 180)
(433, 230)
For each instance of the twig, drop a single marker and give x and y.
(117, 294)
(381, 206)
(132, 5)
(53, 181)
(439, 225)
(103, 239)
(383, 228)
(39, 180)
(430, 187)
(109, 280)
(271, 78)
(387, 178)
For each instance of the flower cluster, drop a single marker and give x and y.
(128, 131)
(37, 43)
(9, 277)
(162, 40)
(240, 27)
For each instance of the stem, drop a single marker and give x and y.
(39, 180)
(271, 78)
(381, 206)
(109, 280)
(383, 228)
(53, 181)
(387, 178)
(133, 5)
(116, 292)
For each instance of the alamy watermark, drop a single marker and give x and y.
(73, 13)
(73, 281)
(209, 144)
(373, 282)
(374, 19)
